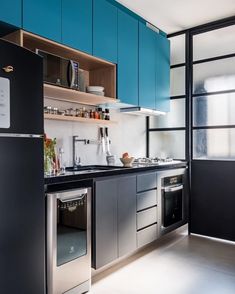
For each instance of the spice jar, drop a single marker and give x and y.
(107, 115)
(77, 112)
(97, 115)
(49, 109)
(46, 109)
(55, 110)
(86, 114)
(100, 112)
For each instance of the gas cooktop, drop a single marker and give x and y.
(145, 161)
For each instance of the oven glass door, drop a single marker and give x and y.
(71, 230)
(173, 201)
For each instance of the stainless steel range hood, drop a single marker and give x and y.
(137, 110)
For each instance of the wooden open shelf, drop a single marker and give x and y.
(97, 72)
(69, 95)
(78, 119)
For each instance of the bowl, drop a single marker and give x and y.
(127, 162)
(95, 89)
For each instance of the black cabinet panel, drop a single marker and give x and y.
(213, 199)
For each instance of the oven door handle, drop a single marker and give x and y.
(173, 189)
(72, 195)
(71, 199)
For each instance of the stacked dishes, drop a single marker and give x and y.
(96, 90)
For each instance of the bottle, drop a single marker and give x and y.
(100, 111)
(86, 114)
(107, 115)
(61, 161)
(97, 115)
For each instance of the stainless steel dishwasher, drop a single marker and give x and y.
(69, 241)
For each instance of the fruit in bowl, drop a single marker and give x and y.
(127, 160)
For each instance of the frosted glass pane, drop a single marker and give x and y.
(214, 43)
(177, 49)
(214, 110)
(173, 119)
(178, 81)
(167, 144)
(214, 76)
(217, 144)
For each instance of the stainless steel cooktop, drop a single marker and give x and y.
(145, 161)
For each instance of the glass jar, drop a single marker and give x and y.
(107, 115)
(97, 115)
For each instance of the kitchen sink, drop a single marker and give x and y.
(91, 168)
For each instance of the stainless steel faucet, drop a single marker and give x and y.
(76, 159)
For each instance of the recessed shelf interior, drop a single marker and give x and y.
(97, 72)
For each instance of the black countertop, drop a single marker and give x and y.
(79, 176)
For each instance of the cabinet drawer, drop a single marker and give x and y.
(146, 182)
(146, 199)
(146, 218)
(146, 236)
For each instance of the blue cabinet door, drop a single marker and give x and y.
(11, 12)
(77, 24)
(105, 27)
(162, 73)
(127, 59)
(43, 17)
(147, 67)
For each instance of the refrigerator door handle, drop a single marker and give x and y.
(12, 135)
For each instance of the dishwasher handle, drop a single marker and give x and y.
(70, 195)
(173, 189)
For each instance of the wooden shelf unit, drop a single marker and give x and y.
(69, 95)
(78, 119)
(97, 72)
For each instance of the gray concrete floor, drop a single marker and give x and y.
(178, 264)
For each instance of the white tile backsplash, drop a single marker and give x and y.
(128, 135)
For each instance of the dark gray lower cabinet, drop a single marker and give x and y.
(105, 246)
(114, 220)
(126, 215)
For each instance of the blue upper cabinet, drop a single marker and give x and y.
(77, 24)
(127, 59)
(162, 73)
(147, 67)
(105, 30)
(43, 17)
(11, 12)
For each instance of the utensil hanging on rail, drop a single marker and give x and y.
(107, 141)
(102, 139)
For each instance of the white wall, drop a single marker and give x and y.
(128, 135)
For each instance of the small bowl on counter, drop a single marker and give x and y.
(127, 161)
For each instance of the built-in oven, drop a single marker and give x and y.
(173, 199)
(69, 241)
(59, 71)
(172, 191)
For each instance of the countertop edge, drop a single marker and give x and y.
(122, 171)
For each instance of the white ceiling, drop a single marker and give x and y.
(176, 15)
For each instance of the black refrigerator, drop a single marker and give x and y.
(22, 211)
